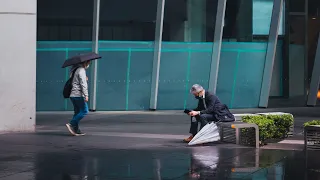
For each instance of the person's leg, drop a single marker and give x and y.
(75, 109)
(81, 109)
(194, 126)
(84, 110)
(204, 119)
(72, 125)
(193, 129)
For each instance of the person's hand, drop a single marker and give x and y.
(86, 99)
(193, 113)
(87, 78)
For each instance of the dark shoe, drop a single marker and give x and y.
(71, 129)
(79, 133)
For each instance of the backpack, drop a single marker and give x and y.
(68, 86)
(222, 114)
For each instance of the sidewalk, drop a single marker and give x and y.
(135, 145)
(164, 124)
(50, 119)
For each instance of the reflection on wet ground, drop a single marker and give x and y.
(206, 162)
(131, 153)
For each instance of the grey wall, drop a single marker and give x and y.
(18, 65)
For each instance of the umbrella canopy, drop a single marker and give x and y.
(80, 59)
(209, 133)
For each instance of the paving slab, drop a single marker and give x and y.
(142, 146)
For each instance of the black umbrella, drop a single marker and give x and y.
(80, 59)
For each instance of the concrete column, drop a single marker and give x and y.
(195, 29)
(18, 21)
(157, 55)
(95, 48)
(216, 47)
(271, 53)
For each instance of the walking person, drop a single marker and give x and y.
(79, 96)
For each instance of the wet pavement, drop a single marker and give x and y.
(139, 147)
(211, 162)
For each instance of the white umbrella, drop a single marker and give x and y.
(209, 133)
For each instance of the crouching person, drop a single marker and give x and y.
(209, 109)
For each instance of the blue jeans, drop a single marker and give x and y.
(80, 110)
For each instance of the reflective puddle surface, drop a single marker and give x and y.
(212, 162)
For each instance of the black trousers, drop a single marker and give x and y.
(202, 119)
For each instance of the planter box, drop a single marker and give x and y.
(238, 117)
(312, 137)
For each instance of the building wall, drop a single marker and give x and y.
(126, 44)
(18, 64)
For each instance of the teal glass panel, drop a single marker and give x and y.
(172, 80)
(181, 66)
(139, 89)
(50, 81)
(199, 72)
(226, 76)
(240, 74)
(111, 85)
(51, 77)
(124, 74)
(247, 85)
(261, 17)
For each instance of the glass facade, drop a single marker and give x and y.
(188, 29)
(127, 33)
(63, 30)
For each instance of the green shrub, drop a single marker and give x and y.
(282, 124)
(271, 126)
(310, 123)
(266, 126)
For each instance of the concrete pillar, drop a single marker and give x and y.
(18, 21)
(195, 29)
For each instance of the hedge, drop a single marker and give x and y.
(270, 126)
(310, 123)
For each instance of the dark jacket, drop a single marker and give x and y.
(211, 102)
(214, 106)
